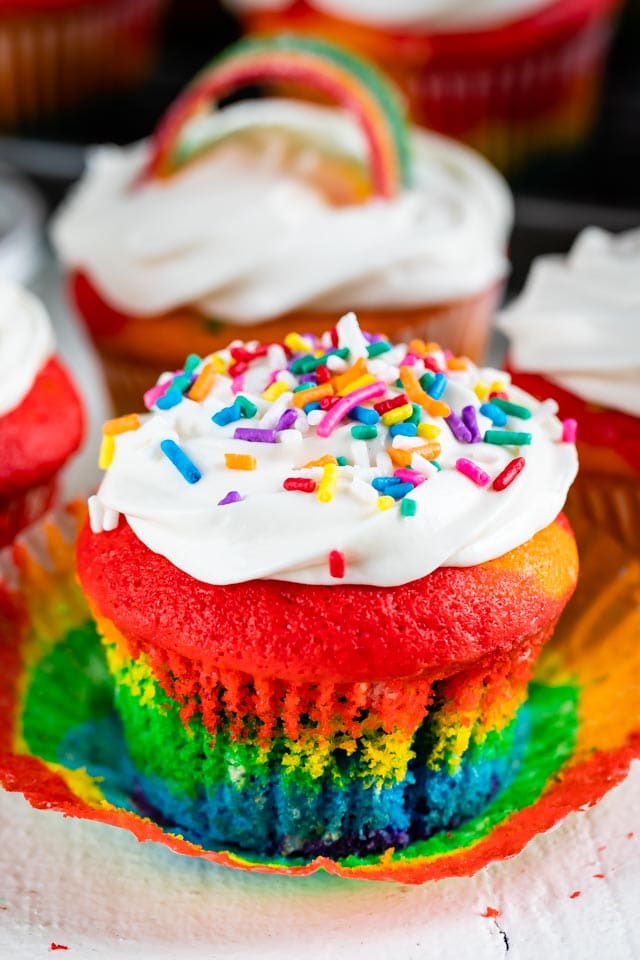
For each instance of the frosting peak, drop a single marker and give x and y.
(26, 343)
(343, 458)
(578, 320)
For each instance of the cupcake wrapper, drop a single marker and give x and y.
(23, 508)
(611, 503)
(58, 59)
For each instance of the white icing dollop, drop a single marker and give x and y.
(578, 320)
(415, 15)
(274, 533)
(26, 343)
(242, 240)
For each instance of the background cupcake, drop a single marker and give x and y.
(41, 417)
(575, 337)
(326, 643)
(276, 215)
(514, 79)
(58, 54)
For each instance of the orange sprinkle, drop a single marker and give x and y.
(239, 461)
(402, 458)
(359, 369)
(432, 347)
(411, 384)
(204, 382)
(121, 425)
(457, 363)
(312, 394)
(322, 462)
(418, 347)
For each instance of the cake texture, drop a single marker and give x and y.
(409, 228)
(41, 419)
(574, 339)
(320, 594)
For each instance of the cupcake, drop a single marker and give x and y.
(57, 54)
(322, 585)
(275, 215)
(575, 338)
(41, 421)
(513, 78)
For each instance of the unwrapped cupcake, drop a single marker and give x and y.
(323, 584)
(274, 215)
(41, 418)
(575, 338)
(516, 79)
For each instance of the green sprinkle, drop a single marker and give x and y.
(191, 362)
(303, 386)
(375, 349)
(364, 432)
(416, 416)
(408, 507)
(247, 408)
(399, 383)
(434, 463)
(512, 409)
(309, 363)
(427, 379)
(181, 382)
(341, 461)
(507, 438)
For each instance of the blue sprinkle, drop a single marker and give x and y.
(171, 398)
(181, 461)
(438, 386)
(364, 415)
(384, 483)
(227, 415)
(497, 416)
(426, 380)
(399, 490)
(403, 430)
(314, 405)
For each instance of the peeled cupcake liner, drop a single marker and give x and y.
(512, 101)
(610, 502)
(53, 59)
(60, 748)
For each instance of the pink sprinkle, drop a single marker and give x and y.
(273, 376)
(473, 472)
(237, 384)
(410, 476)
(154, 394)
(569, 431)
(336, 564)
(409, 360)
(333, 417)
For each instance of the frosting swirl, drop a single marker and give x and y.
(246, 236)
(223, 525)
(26, 343)
(577, 321)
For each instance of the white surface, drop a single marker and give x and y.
(98, 891)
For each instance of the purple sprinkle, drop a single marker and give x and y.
(254, 435)
(470, 422)
(308, 378)
(458, 428)
(287, 420)
(232, 497)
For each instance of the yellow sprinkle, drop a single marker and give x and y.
(481, 391)
(397, 415)
(297, 343)
(322, 462)
(328, 483)
(356, 384)
(384, 503)
(204, 382)
(219, 363)
(121, 424)
(359, 369)
(498, 386)
(428, 430)
(107, 450)
(274, 390)
(239, 461)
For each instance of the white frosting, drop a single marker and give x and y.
(26, 343)
(244, 240)
(278, 534)
(578, 320)
(411, 14)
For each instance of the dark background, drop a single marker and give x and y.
(601, 184)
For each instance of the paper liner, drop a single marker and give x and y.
(584, 713)
(22, 508)
(610, 502)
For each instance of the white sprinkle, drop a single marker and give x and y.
(286, 377)
(289, 437)
(314, 417)
(548, 408)
(360, 453)
(273, 413)
(407, 443)
(364, 492)
(110, 521)
(425, 467)
(350, 336)
(336, 364)
(302, 422)
(384, 371)
(383, 463)
(276, 356)
(101, 518)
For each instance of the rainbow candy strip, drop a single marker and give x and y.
(61, 745)
(350, 81)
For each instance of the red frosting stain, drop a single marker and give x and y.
(576, 893)
(58, 946)
(491, 912)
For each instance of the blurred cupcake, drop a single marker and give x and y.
(41, 420)
(275, 215)
(323, 586)
(513, 78)
(57, 54)
(575, 337)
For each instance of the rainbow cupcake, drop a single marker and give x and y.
(575, 338)
(322, 584)
(274, 215)
(515, 79)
